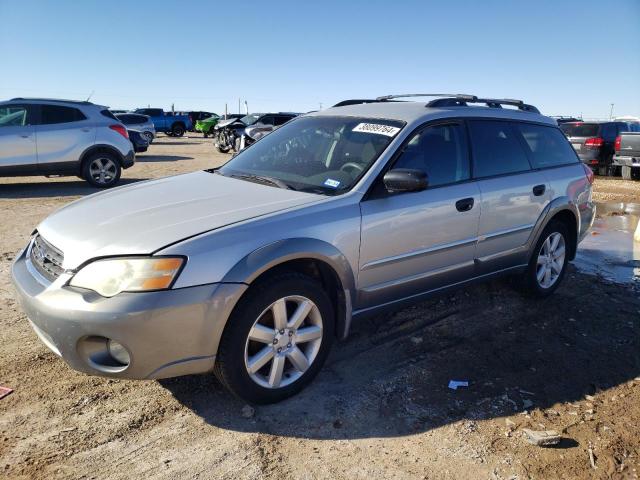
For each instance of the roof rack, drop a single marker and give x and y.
(384, 98)
(465, 100)
(355, 101)
(82, 102)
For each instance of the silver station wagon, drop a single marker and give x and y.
(254, 269)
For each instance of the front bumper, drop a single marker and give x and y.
(167, 333)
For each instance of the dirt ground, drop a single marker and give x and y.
(381, 407)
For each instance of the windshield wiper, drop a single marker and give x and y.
(262, 179)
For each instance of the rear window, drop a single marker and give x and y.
(580, 129)
(496, 149)
(108, 114)
(547, 146)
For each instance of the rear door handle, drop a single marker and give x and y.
(464, 205)
(539, 190)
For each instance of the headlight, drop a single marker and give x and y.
(114, 275)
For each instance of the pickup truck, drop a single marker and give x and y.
(172, 124)
(627, 148)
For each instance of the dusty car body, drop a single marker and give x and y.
(253, 275)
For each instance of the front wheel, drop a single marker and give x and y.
(101, 170)
(276, 340)
(177, 130)
(548, 263)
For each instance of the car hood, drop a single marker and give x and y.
(144, 217)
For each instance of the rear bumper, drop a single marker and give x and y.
(625, 161)
(129, 159)
(166, 333)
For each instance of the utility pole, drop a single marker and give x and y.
(226, 113)
(611, 112)
(320, 105)
(239, 105)
(246, 107)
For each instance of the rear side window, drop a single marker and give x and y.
(609, 132)
(108, 114)
(13, 116)
(580, 129)
(548, 147)
(52, 114)
(280, 119)
(439, 151)
(496, 149)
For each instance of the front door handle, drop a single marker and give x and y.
(464, 205)
(539, 190)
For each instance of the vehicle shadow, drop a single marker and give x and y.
(390, 378)
(46, 189)
(161, 158)
(177, 143)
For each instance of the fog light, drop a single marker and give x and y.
(118, 352)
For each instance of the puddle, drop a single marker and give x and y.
(609, 250)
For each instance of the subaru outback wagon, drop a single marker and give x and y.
(252, 270)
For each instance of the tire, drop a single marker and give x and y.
(101, 169)
(148, 136)
(206, 134)
(222, 149)
(532, 282)
(626, 172)
(603, 170)
(237, 351)
(177, 130)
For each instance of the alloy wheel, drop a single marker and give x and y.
(283, 342)
(103, 170)
(551, 260)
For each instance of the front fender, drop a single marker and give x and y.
(265, 258)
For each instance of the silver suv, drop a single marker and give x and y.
(63, 137)
(252, 270)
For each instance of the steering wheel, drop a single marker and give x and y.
(351, 166)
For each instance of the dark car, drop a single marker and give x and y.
(139, 141)
(137, 121)
(594, 142)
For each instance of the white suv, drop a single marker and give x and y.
(63, 137)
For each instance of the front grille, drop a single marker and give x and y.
(46, 258)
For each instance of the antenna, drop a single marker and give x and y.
(90, 95)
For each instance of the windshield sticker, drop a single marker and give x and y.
(330, 182)
(377, 128)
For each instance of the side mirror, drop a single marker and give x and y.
(405, 180)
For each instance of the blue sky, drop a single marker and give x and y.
(567, 57)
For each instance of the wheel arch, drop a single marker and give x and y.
(563, 210)
(99, 148)
(315, 258)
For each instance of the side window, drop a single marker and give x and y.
(53, 114)
(547, 145)
(439, 151)
(13, 116)
(153, 112)
(268, 120)
(139, 119)
(496, 150)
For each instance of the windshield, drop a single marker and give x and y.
(250, 119)
(316, 154)
(580, 129)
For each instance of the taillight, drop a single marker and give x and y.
(617, 144)
(589, 173)
(595, 142)
(120, 129)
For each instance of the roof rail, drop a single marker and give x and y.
(81, 102)
(407, 95)
(355, 101)
(465, 100)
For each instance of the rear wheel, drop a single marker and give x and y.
(177, 130)
(276, 340)
(548, 263)
(102, 170)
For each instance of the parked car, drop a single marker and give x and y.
(139, 122)
(627, 156)
(195, 116)
(594, 142)
(42, 136)
(139, 140)
(206, 125)
(228, 133)
(166, 122)
(263, 126)
(252, 270)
